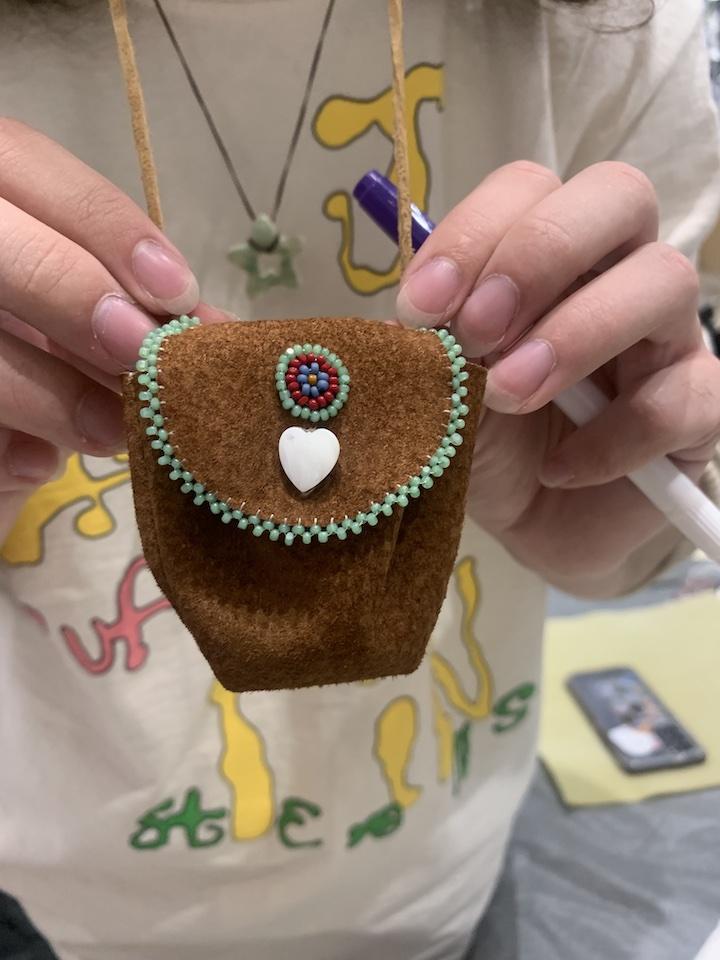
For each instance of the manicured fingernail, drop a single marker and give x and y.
(165, 276)
(31, 460)
(555, 473)
(486, 315)
(425, 298)
(120, 328)
(515, 378)
(99, 419)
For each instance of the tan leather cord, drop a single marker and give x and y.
(141, 131)
(400, 138)
(138, 115)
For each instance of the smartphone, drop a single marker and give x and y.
(635, 725)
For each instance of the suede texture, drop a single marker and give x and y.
(268, 616)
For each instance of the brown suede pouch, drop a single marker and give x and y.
(270, 616)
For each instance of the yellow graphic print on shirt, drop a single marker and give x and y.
(77, 486)
(245, 767)
(453, 745)
(395, 735)
(479, 706)
(342, 120)
(396, 731)
(445, 735)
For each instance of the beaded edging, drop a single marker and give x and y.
(437, 464)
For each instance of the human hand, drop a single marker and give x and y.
(83, 274)
(552, 283)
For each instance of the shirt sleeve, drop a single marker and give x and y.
(657, 113)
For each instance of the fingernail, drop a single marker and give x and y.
(165, 276)
(120, 328)
(555, 473)
(426, 297)
(486, 315)
(99, 419)
(31, 460)
(513, 380)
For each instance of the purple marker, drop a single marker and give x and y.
(378, 197)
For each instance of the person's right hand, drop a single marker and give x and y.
(83, 272)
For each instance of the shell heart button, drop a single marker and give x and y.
(308, 456)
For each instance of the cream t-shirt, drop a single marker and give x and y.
(145, 812)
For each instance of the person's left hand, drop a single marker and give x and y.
(552, 283)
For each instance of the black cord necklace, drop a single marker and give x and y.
(264, 238)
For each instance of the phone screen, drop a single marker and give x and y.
(638, 728)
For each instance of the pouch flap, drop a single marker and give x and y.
(395, 418)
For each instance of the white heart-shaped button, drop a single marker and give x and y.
(308, 456)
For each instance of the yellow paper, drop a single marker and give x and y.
(675, 647)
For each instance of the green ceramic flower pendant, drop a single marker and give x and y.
(267, 257)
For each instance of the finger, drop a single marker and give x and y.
(23, 331)
(676, 411)
(60, 289)
(25, 461)
(651, 294)
(598, 217)
(44, 397)
(210, 314)
(50, 184)
(106, 380)
(443, 272)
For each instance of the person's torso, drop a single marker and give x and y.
(146, 812)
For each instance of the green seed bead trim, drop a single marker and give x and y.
(295, 409)
(399, 498)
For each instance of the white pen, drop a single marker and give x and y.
(674, 494)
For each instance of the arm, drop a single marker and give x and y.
(553, 281)
(672, 135)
